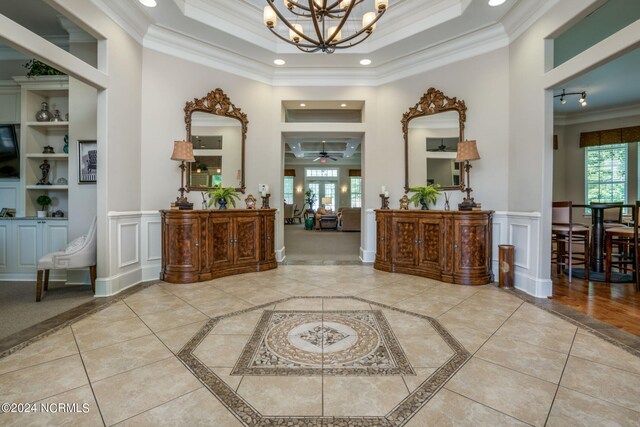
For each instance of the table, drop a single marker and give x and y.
(597, 232)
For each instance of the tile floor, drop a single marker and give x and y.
(166, 354)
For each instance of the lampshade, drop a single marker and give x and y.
(326, 200)
(467, 150)
(183, 150)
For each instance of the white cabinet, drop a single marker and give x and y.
(24, 241)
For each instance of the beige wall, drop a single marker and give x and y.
(569, 167)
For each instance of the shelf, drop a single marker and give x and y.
(55, 156)
(48, 125)
(47, 187)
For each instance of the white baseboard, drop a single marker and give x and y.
(280, 254)
(540, 288)
(151, 272)
(109, 286)
(368, 257)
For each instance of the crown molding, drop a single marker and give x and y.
(594, 116)
(180, 46)
(455, 50)
(129, 17)
(470, 45)
(521, 17)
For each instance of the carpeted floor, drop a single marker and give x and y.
(316, 245)
(19, 309)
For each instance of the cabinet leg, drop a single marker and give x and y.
(92, 273)
(46, 280)
(39, 286)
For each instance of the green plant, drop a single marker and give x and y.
(38, 68)
(43, 201)
(310, 197)
(428, 194)
(229, 195)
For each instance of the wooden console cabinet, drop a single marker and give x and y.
(451, 246)
(200, 245)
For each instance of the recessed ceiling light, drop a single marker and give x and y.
(365, 61)
(343, 105)
(496, 2)
(303, 105)
(279, 61)
(148, 3)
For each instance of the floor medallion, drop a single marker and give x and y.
(323, 343)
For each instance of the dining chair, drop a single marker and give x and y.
(565, 234)
(613, 216)
(626, 239)
(80, 253)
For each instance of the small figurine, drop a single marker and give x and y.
(404, 202)
(47, 150)
(45, 167)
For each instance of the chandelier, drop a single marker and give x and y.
(324, 21)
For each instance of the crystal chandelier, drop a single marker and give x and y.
(324, 21)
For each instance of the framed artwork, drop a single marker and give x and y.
(87, 161)
(3, 213)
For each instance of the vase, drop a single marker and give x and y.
(222, 204)
(44, 115)
(424, 205)
(66, 144)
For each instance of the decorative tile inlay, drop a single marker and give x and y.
(336, 343)
(323, 343)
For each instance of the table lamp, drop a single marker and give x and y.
(467, 150)
(326, 201)
(183, 152)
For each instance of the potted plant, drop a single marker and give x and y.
(38, 68)
(223, 196)
(43, 201)
(425, 195)
(310, 197)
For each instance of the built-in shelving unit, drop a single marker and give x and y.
(35, 136)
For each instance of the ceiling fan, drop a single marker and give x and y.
(442, 147)
(323, 156)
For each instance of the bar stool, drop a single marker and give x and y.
(564, 233)
(625, 238)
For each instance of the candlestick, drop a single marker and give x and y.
(265, 201)
(384, 200)
(386, 194)
(383, 189)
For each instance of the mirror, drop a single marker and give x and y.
(217, 130)
(432, 129)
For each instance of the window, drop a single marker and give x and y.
(330, 192)
(606, 173)
(315, 188)
(322, 172)
(356, 191)
(288, 189)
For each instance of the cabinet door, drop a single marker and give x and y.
(181, 245)
(246, 240)
(54, 236)
(431, 243)
(9, 106)
(220, 237)
(5, 237)
(381, 236)
(471, 240)
(26, 233)
(268, 233)
(404, 244)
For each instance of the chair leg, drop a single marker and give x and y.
(46, 280)
(608, 247)
(39, 286)
(92, 273)
(587, 257)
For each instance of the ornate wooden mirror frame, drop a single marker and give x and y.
(433, 102)
(218, 103)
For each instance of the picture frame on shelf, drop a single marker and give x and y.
(3, 212)
(87, 161)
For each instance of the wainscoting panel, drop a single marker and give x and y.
(134, 250)
(4, 242)
(522, 230)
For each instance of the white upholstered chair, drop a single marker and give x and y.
(80, 253)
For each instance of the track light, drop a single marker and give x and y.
(563, 97)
